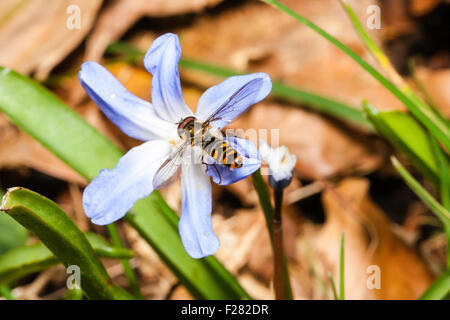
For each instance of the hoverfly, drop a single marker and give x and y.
(193, 132)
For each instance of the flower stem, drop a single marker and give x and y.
(278, 246)
(129, 273)
(273, 220)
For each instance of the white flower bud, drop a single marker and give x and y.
(281, 164)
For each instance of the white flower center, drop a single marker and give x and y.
(281, 163)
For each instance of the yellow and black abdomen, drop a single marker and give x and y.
(221, 151)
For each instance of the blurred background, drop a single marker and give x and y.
(343, 178)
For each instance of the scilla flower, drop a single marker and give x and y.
(168, 126)
(281, 164)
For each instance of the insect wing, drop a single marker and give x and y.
(170, 170)
(229, 106)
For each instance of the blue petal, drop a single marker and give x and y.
(134, 116)
(215, 96)
(251, 162)
(113, 192)
(195, 224)
(161, 61)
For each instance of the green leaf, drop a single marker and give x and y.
(73, 294)
(61, 130)
(127, 269)
(427, 117)
(105, 250)
(440, 289)
(59, 234)
(406, 134)
(12, 234)
(441, 212)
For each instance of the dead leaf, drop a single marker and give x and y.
(422, 7)
(396, 20)
(36, 40)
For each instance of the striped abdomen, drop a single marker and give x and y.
(221, 151)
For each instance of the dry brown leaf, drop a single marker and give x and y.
(396, 20)
(122, 14)
(369, 240)
(422, 7)
(36, 40)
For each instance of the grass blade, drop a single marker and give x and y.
(415, 186)
(12, 234)
(387, 66)
(440, 289)
(333, 286)
(129, 273)
(373, 48)
(444, 188)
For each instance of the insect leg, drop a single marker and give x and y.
(215, 167)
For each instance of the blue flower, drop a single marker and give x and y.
(113, 192)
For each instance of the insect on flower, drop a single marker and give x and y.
(195, 133)
(178, 142)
